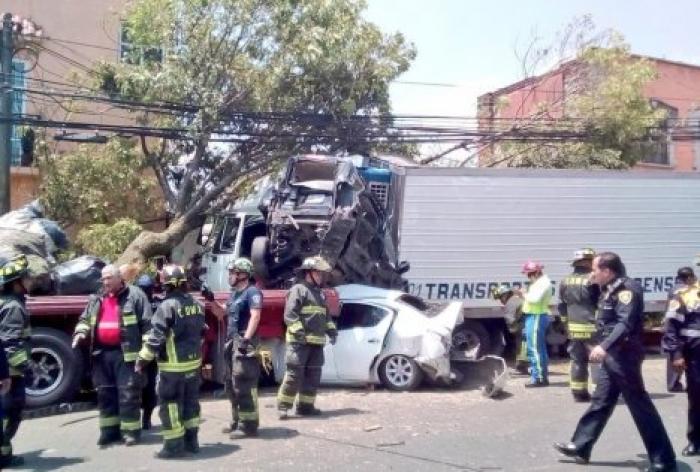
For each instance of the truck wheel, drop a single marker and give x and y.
(55, 371)
(470, 341)
(258, 256)
(400, 373)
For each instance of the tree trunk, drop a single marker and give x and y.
(149, 244)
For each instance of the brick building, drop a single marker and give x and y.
(676, 88)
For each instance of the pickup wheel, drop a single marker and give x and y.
(258, 256)
(55, 370)
(400, 373)
(470, 341)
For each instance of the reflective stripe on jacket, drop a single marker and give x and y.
(306, 315)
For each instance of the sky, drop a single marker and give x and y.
(469, 44)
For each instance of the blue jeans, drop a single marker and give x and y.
(536, 337)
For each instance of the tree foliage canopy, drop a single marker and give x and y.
(603, 101)
(218, 63)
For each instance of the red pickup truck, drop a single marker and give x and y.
(58, 371)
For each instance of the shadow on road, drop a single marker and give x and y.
(212, 451)
(34, 460)
(269, 434)
(332, 413)
(613, 464)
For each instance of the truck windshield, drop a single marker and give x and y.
(227, 241)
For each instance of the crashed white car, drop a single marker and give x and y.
(389, 337)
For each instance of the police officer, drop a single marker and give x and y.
(681, 341)
(620, 349)
(685, 278)
(536, 313)
(114, 323)
(175, 341)
(308, 322)
(149, 398)
(14, 334)
(242, 361)
(512, 312)
(578, 299)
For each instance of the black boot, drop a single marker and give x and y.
(570, 450)
(109, 436)
(170, 453)
(581, 397)
(691, 450)
(7, 462)
(191, 441)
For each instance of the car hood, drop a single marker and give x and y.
(434, 352)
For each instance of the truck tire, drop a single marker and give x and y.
(258, 256)
(56, 369)
(400, 373)
(470, 341)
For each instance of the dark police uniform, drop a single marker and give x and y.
(242, 368)
(308, 321)
(682, 340)
(578, 299)
(619, 322)
(175, 341)
(14, 333)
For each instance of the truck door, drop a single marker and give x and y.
(362, 329)
(222, 248)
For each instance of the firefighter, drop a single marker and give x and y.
(14, 334)
(241, 349)
(578, 298)
(149, 399)
(536, 313)
(114, 322)
(308, 322)
(619, 348)
(175, 342)
(681, 341)
(512, 311)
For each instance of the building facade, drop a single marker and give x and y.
(676, 89)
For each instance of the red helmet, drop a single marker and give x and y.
(532, 266)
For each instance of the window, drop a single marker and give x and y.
(229, 235)
(356, 315)
(658, 149)
(18, 82)
(134, 54)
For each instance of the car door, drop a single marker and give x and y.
(362, 329)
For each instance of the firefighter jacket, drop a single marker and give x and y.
(682, 322)
(306, 315)
(578, 298)
(176, 334)
(620, 313)
(134, 320)
(513, 314)
(15, 332)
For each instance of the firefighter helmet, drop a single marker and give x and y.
(532, 266)
(585, 254)
(241, 264)
(316, 263)
(500, 291)
(13, 269)
(173, 275)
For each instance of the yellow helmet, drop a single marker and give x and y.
(13, 269)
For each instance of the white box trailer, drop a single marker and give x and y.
(465, 231)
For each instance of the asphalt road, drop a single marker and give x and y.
(365, 429)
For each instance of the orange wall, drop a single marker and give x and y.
(24, 185)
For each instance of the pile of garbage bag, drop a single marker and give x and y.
(27, 231)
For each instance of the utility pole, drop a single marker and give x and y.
(6, 48)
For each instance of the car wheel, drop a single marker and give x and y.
(55, 370)
(400, 373)
(470, 341)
